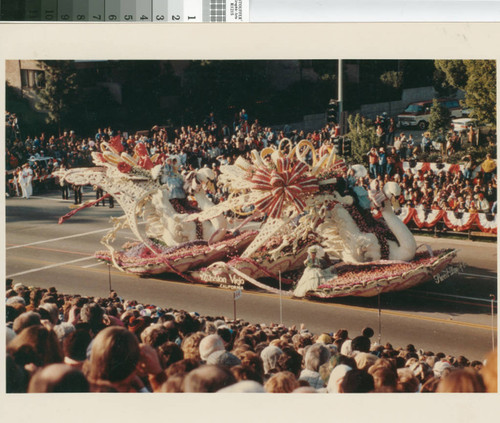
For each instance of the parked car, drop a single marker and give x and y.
(419, 113)
(42, 161)
(463, 124)
(482, 131)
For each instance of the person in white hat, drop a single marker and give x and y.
(25, 179)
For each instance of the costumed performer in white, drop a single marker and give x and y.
(25, 179)
(314, 275)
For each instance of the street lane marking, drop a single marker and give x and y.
(91, 265)
(63, 237)
(56, 250)
(50, 198)
(50, 266)
(58, 239)
(440, 294)
(479, 276)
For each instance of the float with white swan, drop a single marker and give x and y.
(281, 203)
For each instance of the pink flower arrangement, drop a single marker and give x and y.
(140, 256)
(382, 275)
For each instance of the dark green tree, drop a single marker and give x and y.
(478, 79)
(439, 121)
(454, 71)
(31, 120)
(416, 73)
(362, 136)
(326, 69)
(147, 84)
(481, 89)
(223, 87)
(393, 79)
(57, 92)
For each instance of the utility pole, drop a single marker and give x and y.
(340, 97)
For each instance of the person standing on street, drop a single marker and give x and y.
(25, 179)
(77, 190)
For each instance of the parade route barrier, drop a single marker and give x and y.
(456, 221)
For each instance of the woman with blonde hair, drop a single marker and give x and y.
(282, 383)
(461, 380)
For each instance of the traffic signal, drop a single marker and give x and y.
(346, 147)
(332, 113)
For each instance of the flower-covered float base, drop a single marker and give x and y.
(247, 269)
(153, 259)
(362, 280)
(369, 279)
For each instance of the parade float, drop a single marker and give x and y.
(281, 202)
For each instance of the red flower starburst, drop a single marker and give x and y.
(288, 183)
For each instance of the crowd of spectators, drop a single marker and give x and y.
(214, 144)
(73, 343)
(442, 190)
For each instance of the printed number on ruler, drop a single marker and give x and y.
(96, 10)
(128, 10)
(65, 10)
(193, 11)
(160, 10)
(112, 8)
(143, 11)
(49, 10)
(80, 11)
(32, 10)
(175, 11)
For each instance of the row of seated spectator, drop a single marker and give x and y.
(73, 343)
(441, 191)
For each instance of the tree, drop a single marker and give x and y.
(362, 136)
(439, 121)
(478, 79)
(224, 87)
(57, 92)
(392, 79)
(454, 71)
(481, 89)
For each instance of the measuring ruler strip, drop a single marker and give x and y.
(157, 11)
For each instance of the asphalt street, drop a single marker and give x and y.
(454, 316)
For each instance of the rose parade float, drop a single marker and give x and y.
(289, 213)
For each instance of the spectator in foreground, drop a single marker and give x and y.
(104, 354)
(58, 378)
